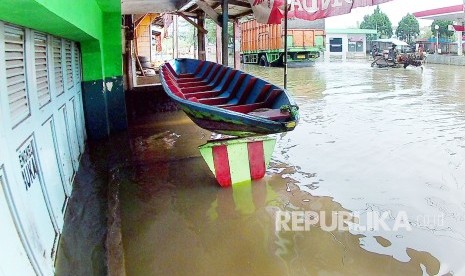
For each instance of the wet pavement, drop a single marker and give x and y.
(81, 249)
(369, 140)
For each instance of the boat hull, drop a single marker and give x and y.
(218, 118)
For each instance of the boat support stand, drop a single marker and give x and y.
(238, 160)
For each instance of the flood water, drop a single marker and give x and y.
(369, 140)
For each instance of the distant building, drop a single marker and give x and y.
(347, 43)
(452, 13)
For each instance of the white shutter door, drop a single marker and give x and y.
(40, 49)
(69, 65)
(58, 65)
(77, 63)
(16, 74)
(13, 256)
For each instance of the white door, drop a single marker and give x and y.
(79, 109)
(13, 256)
(72, 133)
(63, 144)
(48, 157)
(41, 140)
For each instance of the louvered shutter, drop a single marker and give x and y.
(16, 74)
(40, 48)
(69, 65)
(77, 63)
(58, 64)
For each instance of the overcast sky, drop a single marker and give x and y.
(395, 10)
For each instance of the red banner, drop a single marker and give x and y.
(272, 11)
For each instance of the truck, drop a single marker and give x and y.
(263, 44)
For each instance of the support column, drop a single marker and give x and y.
(93, 92)
(459, 43)
(175, 37)
(201, 37)
(113, 72)
(102, 85)
(218, 44)
(237, 44)
(224, 33)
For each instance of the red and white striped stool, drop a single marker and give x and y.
(238, 160)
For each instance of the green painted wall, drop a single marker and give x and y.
(80, 20)
(91, 60)
(96, 24)
(112, 45)
(76, 20)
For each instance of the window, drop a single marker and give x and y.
(355, 44)
(335, 45)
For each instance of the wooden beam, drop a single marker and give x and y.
(224, 33)
(190, 14)
(218, 45)
(239, 15)
(237, 47)
(175, 37)
(200, 28)
(201, 41)
(239, 3)
(209, 11)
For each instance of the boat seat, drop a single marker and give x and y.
(198, 87)
(169, 70)
(231, 93)
(206, 94)
(240, 99)
(200, 82)
(247, 108)
(199, 67)
(271, 114)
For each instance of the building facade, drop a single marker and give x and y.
(61, 82)
(343, 44)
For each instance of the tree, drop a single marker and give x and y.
(425, 33)
(210, 26)
(378, 21)
(443, 28)
(408, 28)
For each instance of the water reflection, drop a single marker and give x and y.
(369, 140)
(387, 140)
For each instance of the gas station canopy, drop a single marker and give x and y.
(453, 13)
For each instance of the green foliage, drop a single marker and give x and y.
(443, 28)
(377, 21)
(210, 26)
(425, 33)
(408, 28)
(186, 34)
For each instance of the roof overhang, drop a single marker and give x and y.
(452, 13)
(236, 8)
(150, 6)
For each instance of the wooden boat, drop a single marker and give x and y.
(228, 101)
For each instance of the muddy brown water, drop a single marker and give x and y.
(369, 140)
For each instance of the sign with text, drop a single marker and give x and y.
(272, 11)
(28, 162)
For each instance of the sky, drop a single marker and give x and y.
(395, 10)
